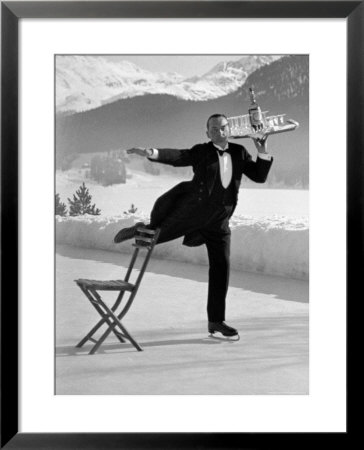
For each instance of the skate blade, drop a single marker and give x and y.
(221, 337)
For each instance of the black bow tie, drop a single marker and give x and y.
(220, 152)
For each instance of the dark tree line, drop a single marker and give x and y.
(108, 170)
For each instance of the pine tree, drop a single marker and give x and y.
(81, 203)
(131, 210)
(60, 208)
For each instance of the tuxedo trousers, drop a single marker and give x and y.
(212, 222)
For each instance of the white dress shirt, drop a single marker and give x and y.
(226, 166)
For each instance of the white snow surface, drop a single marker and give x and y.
(143, 189)
(275, 246)
(270, 227)
(168, 319)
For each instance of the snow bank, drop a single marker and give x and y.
(270, 245)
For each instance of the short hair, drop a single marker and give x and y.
(214, 116)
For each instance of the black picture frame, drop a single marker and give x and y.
(11, 13)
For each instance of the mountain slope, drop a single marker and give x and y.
(166, 121)
(87, 82)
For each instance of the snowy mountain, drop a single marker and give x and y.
(233, 74)
(87, 82)
(162, 120)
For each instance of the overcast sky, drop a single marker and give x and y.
(185, 65)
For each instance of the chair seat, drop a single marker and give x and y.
(106, 285)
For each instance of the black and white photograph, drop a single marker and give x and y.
(181, 224)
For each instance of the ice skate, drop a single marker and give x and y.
(221, 331)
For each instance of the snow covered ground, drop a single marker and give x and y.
(270, 246)
(270, 236)
(270, 230)
(168, 318)
(143, 189)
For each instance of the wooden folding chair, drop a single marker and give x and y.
(145, 240)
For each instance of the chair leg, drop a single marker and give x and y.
(105, 319)
(116, 323)
(91, 333)
(127, 335)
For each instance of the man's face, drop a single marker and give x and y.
(218, 130)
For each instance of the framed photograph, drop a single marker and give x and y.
(103, 104)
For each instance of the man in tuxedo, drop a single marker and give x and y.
(200, 209)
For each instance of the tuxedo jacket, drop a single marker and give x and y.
(205, 164)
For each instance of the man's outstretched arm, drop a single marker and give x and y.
(173, 157)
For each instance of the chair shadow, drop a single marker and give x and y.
(70, 350)
(283, 288)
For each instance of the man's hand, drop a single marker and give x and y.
(141, 151)
(261, 143)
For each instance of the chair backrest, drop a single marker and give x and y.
(145, 240)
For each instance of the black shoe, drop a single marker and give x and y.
(222, 328)
(127, 233)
